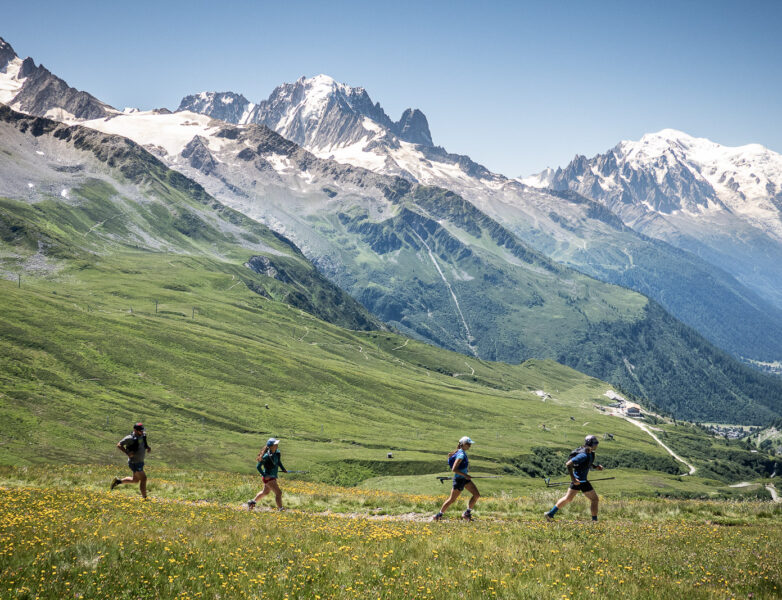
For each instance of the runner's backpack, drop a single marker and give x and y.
(576, 452)
(452, 459)
(133, 446)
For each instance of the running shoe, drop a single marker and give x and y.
(438, 517)
(115, 483)
(549, 518)
(251, 504)
(467, 515)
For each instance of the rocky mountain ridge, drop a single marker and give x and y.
(36, 90)
(314, 112)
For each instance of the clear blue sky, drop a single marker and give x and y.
(517, 86)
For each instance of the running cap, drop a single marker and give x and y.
(138, 426)
(466, 440)
(272, 441)
(590, 441)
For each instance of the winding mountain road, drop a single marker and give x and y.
(656, 439)
(773, 491)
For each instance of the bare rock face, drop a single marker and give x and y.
(263, 266)
(197, 152)
(413, 127)
(7, 53)
(42, 91)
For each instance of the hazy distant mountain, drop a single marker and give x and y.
(721, 203)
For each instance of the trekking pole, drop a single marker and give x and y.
(556, 483)
(474, 477)
(297, 471)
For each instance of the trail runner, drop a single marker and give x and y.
(461, 480)
(269, 463)
(135, 447)
(578, 467)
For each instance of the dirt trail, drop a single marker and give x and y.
(770, 487)
(656, 439)
(402, 346)
(773, 491)
(472, 374)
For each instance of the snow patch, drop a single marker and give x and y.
(172, 132)
(9, 84)
(541, 180)
(59, 114)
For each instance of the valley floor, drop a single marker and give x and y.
(63, 534)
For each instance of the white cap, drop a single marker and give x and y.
(466, 440)
(272, 441)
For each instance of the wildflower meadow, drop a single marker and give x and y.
(61, 536)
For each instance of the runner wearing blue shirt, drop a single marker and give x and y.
(461, 480)
(268, 464)
(578, 467)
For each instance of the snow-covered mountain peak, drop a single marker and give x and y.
(693, 150)
(652, 146)
(539, 180)
(315, 95)
(323, 85)
(670, 171)
(225, 106)
(320, 114)
(668, 134)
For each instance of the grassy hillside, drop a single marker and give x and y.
(514, 304)
(84, 354)
(142, 298)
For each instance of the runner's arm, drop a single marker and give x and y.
(570, 469)
(124, 450)
(456, 464)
